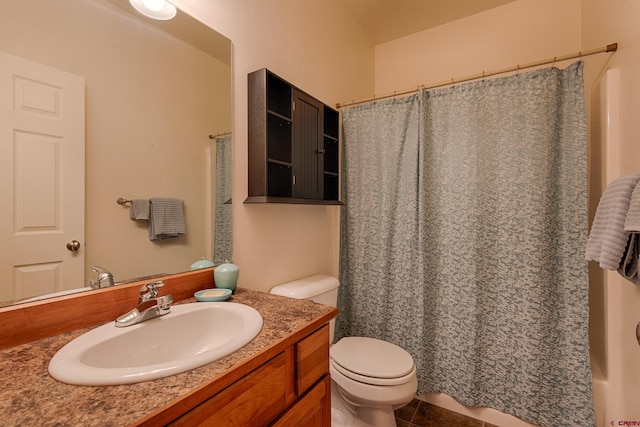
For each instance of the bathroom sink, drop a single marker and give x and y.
(191, 335)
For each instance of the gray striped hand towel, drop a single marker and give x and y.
(166, 218)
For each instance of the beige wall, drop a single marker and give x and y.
(316, 46)
(605, 22)
(516, 33)
(141, 140)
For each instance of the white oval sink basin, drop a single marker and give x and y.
(191, 335)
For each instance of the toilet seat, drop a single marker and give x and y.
(372, 361)
(373, 380)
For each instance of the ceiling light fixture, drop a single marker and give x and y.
(155, 9)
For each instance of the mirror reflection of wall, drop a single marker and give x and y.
(151, 102)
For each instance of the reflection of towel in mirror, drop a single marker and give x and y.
(139, 209)
(166, 218)
(609, 244)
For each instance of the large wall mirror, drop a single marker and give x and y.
(154, 113)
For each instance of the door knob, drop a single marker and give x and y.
(73, 246)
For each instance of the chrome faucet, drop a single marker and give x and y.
(104, 279)
(149, 306)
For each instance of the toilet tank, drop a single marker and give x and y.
(319, 288)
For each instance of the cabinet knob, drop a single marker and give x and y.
(321, 150)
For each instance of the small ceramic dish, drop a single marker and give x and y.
(216, 294)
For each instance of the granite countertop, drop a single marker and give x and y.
(30, 397)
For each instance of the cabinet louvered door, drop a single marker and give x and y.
(307, 150)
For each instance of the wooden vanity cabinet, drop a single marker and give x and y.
(293, 144)
(291, 389)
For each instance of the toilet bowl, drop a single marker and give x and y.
(369, 377)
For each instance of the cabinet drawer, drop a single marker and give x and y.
(312, 359)
(254, 400)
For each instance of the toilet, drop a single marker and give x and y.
(370, 378)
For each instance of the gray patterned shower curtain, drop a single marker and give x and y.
(463, 236)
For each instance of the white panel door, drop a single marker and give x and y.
(41, 179)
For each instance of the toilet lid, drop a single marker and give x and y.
(370, 357)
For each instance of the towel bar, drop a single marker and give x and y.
(122, 201)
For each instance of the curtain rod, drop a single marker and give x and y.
(609, 48)
(217, 135)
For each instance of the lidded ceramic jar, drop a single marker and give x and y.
(226, 276)
(202, 263)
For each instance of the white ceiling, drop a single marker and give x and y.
(386, 20)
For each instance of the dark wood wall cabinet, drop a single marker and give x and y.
(293, 144)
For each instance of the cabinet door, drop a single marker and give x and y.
(312, 358)
(311, 410)
(307, 149)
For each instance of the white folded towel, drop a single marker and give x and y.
(139, 209)
(608, 242)
(166, 218)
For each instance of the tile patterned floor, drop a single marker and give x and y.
(423, 414)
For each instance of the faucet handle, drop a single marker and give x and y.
(150, 290)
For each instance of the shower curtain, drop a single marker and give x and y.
(222, 228)
(462, 240)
